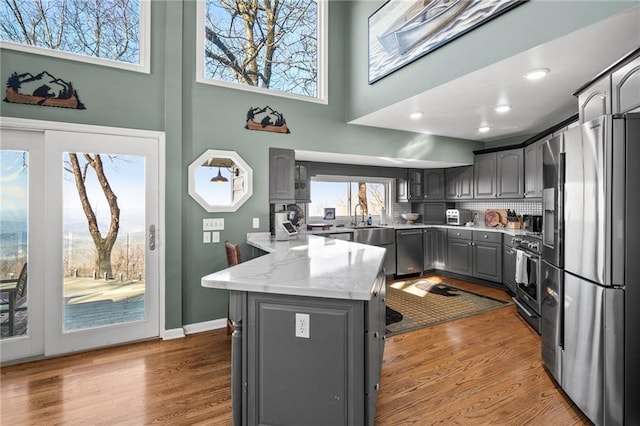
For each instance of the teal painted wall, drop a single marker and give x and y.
(520, 29)
(196, 117)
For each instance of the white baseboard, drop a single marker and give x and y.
(174, 333)
(205, 326)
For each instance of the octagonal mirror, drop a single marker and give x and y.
(220, 181)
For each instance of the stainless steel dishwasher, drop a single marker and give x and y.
(409, 248)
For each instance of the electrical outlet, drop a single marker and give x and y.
(302, 325)
(256, 222)
(206, 237)
(215, 237)
(216, 224)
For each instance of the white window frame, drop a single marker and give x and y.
(323, 73)
(144, 66)
(389, 196)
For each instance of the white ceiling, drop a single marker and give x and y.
(457, 108)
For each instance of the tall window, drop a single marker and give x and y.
(272, 46)
(344, 193)
(107, 32)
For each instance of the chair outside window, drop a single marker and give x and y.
(233, 258)
(13, 299)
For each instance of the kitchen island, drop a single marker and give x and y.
(308, 339)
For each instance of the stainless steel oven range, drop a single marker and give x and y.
(528, 283)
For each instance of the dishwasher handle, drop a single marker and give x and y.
(412, 232)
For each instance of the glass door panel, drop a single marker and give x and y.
(21, 253)
(14, 242)
(102, 213)
(104, 240)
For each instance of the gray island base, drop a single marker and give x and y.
(308, 339)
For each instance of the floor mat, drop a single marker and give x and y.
(424, 303)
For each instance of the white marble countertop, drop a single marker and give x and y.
(347, 229)
(305, 266)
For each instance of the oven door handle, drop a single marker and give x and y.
(526, 311)
(526, 254)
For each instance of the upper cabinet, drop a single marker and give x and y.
(533, 170)
(625, 84)
(281, 176)
(484, 175)
(595, 100)
(499, 174)
(459, 183)
(433, 184)
(302, 183)
(421, 185)
(415, 185)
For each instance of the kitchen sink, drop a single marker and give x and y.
(374, 235)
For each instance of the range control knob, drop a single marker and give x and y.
(534, 246)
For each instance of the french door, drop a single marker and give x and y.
(92, 248)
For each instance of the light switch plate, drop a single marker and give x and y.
(216, 224)
(206, 237)
(256, 222)
(215, 237)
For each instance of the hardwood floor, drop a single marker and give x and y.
(480, 370)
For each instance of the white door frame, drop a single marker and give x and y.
(42, 126)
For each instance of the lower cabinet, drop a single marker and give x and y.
(459, 256)
(435, 249)
(509, 266)
(330, 376)
(475, 253)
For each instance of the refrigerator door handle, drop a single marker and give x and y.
(562, 165)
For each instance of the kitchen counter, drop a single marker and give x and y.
(308, 331)
(344, 230)
(307, 265)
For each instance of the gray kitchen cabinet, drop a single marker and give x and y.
(484, 175)
(459, 183)
(282, 176)
(510, 173)
(415, 184)
(272, 367)
(302, 183)
(460, 251)
(499, 174)
(459, 256)
(487, 255)
(476, 254)
(434, 187)
(402, 190)
(595, 100)
(508, 263)
(435, 249)
(625, 88)
(533, 169)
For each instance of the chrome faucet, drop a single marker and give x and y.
(355, 214)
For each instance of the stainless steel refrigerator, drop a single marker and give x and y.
(600, 309)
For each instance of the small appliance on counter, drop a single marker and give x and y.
(284, 229)
(458, 217)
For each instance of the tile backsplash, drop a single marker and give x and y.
(520, 207)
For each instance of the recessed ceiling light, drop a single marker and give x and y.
(484, 129)
(537, 74)
(503, 108)
(416, 115)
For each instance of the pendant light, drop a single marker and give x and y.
(219, 178)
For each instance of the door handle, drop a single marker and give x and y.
(152, 237)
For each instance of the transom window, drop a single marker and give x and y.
(268, 46)
(114, 33)
(344, 193)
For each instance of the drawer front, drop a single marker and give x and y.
(491, 237)
(462, 234)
